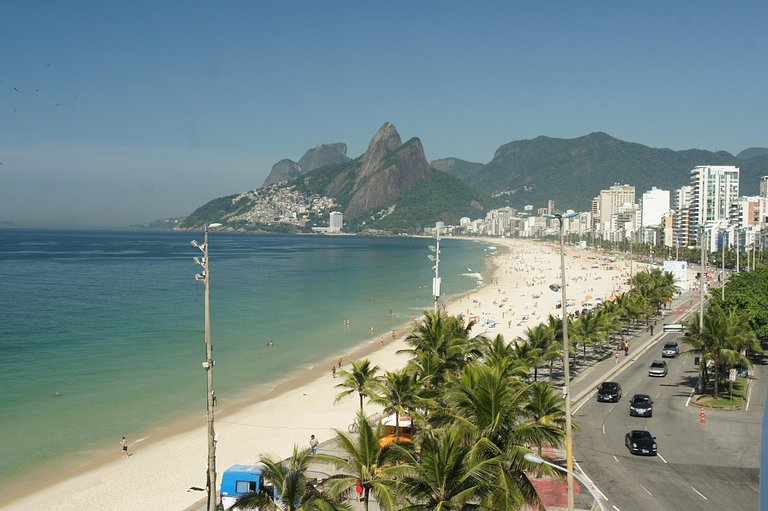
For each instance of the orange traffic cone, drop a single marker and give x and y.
(701, 414)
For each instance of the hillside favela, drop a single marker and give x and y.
(402, 256)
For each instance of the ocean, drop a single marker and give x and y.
(102, 331)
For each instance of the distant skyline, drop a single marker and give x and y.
(119, 113)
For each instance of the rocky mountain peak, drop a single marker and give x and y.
(384, 142)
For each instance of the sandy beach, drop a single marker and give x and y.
(164, 465)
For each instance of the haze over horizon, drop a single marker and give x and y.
(123, 113)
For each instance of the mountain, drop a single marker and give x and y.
(455, 167)
(573, 171)
(321, 156)
(752, 152)
(389, 187)
(392, 187)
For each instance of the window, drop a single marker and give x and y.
(245, 486)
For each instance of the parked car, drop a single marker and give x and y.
(640, 442)
(658, 368)
(671, 349)
(609, 391)
(641, 405)
(742, 371)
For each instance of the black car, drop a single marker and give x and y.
(609, 391)
(640, 442)
(641, 405)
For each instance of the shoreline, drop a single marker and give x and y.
(158, 471)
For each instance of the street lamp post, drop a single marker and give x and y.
(436, 260)
(566, 363)
(208, 366)
(533, 458)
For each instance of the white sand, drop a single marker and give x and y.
(159, 472)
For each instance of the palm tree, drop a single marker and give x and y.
(293, 490)
(723, 337)
(545, 409)
(542, 338)
(398, 393)
(361, 379)
(448, 474)
(364, 461)
(487, 404)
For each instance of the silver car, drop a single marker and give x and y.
(671, 349)
(658, 368)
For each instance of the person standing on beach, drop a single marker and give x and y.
(333, 371)
(313, 443)
(124, 445)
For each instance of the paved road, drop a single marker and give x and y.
(700, 466)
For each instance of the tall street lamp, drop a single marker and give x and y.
(566, 365)
(533, 458)
(435, 258)
(208, 365)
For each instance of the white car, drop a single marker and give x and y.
(658, 368)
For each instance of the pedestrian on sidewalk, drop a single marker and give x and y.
(313, 443)
(359, 491)
(616, 356)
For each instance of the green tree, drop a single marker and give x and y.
(545, 409)
(364, 461)
(361, 379)
(448, 474)
(398, 393)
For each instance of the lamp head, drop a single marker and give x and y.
(533, 458)
(555, 287)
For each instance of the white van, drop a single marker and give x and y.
(674, 327)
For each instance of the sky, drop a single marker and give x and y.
(118, 113)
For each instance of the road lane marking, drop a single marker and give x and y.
(614, 507)
(589, 481)
(603, 428)
(662, 458)
(617, 459)
(689, 398)
(697, 491)
(583, 402)
(749, 394)
(651, 494)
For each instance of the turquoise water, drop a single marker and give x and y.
(113, 321)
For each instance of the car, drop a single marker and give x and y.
(742, 371)
(641, 405)
(658, 368)
(609, 391)
(671, 349)
(639, 441)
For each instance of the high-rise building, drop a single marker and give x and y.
(715, 189)
(336, 222)
(614, 198)
(764, 186)
(655, 205)
(681, 204)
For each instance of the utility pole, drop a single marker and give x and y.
(208, 366)
(436, 260)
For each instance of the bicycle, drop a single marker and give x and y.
(354, 427)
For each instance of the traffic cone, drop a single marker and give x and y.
(701, 414)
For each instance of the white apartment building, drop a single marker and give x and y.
(655, 203)
(715, 189)
(336, 221)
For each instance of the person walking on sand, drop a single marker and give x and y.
(333, 371)
(124, 445)
(313, 443)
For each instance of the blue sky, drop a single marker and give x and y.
(113, 113)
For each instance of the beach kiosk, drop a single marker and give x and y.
(240, 480)
(389, 425)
